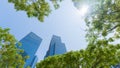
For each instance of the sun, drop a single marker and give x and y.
(83, 10)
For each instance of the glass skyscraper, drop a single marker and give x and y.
(30, 44)
(117, 66)
(56, 47)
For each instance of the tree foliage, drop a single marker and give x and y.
(10, 56)
(104, 20)
(35, 8)
(96, 56)
(103, 30)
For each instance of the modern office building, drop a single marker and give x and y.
(56, 47)
(30, 44)
(117, 66)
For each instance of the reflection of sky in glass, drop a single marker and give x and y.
(30, 44)
(55, 47)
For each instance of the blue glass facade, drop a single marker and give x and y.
(30, 44)
(117, 66)
(56, 47)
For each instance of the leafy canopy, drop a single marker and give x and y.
(10, 56)
(103, 30)
(35, 8)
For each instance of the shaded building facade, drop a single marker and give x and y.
(117, 66)
(30, 44)
(56, 47)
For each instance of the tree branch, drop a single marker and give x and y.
(114, 27)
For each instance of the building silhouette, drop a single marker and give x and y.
(30, 44)
(117, 66)
(56, 47)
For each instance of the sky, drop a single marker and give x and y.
(65, 22)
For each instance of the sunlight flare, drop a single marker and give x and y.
(83, 10)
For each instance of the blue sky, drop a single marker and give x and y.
(64, 22)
